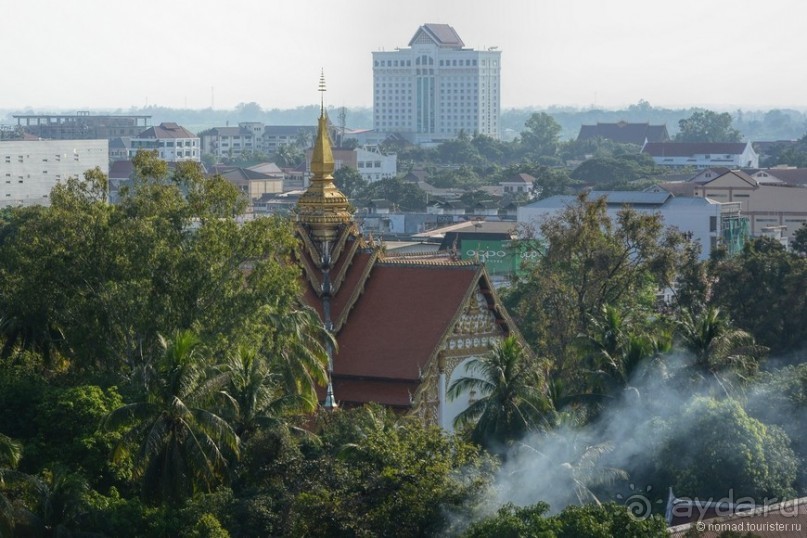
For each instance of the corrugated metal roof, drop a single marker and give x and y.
(631, 197)
(611, 198)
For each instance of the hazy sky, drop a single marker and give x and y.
(107, 54)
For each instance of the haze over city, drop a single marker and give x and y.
(90, 54)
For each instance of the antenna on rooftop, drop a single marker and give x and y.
(342, 124)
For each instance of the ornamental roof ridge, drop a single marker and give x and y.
(439, 262)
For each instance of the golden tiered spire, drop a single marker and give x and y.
(323, 207)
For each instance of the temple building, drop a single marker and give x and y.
(405, 325)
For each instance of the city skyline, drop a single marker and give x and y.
(89, 54)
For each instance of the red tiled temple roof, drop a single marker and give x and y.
(398, 322)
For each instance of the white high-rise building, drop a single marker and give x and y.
(436, 88)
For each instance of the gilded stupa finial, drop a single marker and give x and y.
(323, 207)
(322, 91)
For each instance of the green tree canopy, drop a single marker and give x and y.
(716, 450)
(350, 182)
(707, 126)
(101, 281)
(590, 521)
(388, 477)
(589, 261)
(541, 136)
(178, 446)
(765, 290)
(407, 196)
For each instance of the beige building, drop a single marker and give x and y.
(253, 183)
(766, 204)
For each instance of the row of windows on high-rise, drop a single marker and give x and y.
(427, 60)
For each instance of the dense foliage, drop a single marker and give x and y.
(159, 374)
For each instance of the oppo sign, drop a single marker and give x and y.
(501, 257)
(499, 254)
(485, 254)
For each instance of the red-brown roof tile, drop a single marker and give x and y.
(398, 322)
(360, 391)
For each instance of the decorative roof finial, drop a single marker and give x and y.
(322, 91)
(323, 207)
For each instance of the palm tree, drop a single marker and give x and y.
(717, 345)
(256, 392)
(178, 445)
(615, 352)
(511, 398)
(569, 461)
(299, 353)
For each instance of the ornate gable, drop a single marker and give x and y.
(480, 323)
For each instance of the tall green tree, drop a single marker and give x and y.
(390, 476)
(407, 196)
(541, 135)
(764, 289)
(102, 280)
(616, 348)
(799, 243)
(707, 126)
(177, 444)
(257, 394)
(511, 396)
(350, 182)
(298, 353)
(718, 347)
(745, 458)
(590, 260)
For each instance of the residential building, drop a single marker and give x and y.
(765, 204)
(407, 325)
(119, 148)
(173, 142)
(230, 142)
(275, 136)
(252, 183)
(709, 222)
(624, 133)
(82, 125)
(703, 154)
(29, 169)
(785, 175)
(372, 165)
(436, 87)
(518, 184)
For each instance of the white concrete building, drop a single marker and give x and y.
(703, 154)
(372, 165)
(708, 222)
(29, 169)
(173, 142)
(375, 166)
(435, 88)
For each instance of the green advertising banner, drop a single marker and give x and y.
(501, 257)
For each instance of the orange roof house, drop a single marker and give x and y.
(405, 325)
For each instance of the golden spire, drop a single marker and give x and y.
(323, 207)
